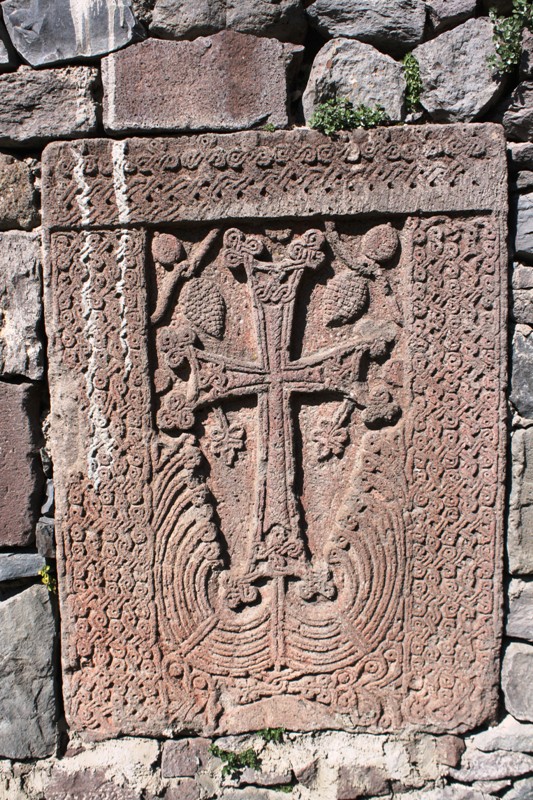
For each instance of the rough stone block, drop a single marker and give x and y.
(223, 82)
(522, 790)
(520, 529)
(21, 477)
(39, 105)
(52, 31)
(518, 113)
(89, 784)
(260, 777)
(520, 155)
(21, 349)
(14, 566)
(354, 782)
(508, 735)
(477, 765)
(17, 194)
(392, 25)
(27, 699)
(282, 19)
(359, 72)
(184, 789)
(522, 306)
(183, 758)
(522, 372)
(517, 680)
(524, 227)
(457, 82)
(243, 410)
(45, 537)
(520, 615)
(445, 14)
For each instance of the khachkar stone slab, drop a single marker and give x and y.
(277, 371)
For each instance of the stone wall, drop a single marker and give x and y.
(85, 70)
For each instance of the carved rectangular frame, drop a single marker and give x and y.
(100, 198)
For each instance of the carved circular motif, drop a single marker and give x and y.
(167, 249)
(380, 243)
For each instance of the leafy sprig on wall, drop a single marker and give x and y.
(413, 88)
(507, 35)
(339, 114)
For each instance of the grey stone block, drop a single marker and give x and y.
(54, 31)
(520, 529)
(522, 790)
(518, 113)
(522, 372)
(21, 348)
(445, 14)
(39, 105)
(517, 682)
(524, 227)
(45, 537)
(457, 82)
(27, 698)
(14, 566)
(520, 155)
(510, 734)
(346, 68)
(520, 616)
(477, 765)
(392, 25)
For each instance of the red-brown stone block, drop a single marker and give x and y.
(224, 82)
(277, 388)
(20, 469)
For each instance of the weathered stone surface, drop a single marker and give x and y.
(520, 155)
(261, 777)
(523, 240)
(522, 372)
(20, 473)
(359, 72)
(223, 82)
(526, 58)
(522, 790)
(45, 537)
(282, 19)
(282, 382)
(454, 792)
(477, 765)
(522, 277)
(522, 307)
(518, 113)
(89, 784)
(445, 14)
(523, 182)
(21, 350)
(8, 57)
(392, 25)
(17, 195)
(185, 789)
(188, 19)
(27, 700)
(510, 734)
(14, 566)
(517, 680)
(520, 529)
(356, 782)
(457, 82)
(39, 105)
(520, 615)
(183, 758)
(51, 31)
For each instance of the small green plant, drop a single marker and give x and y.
(48, 579)
(411, 71)
(340, 115)
(234, 763)
(507, 35)
(272, 735)
(285, 788)
(270, 127)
